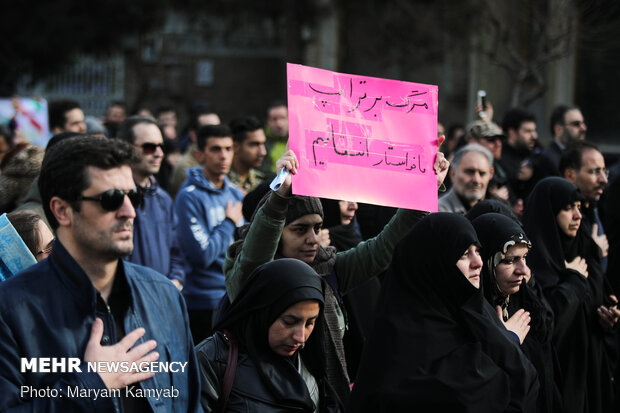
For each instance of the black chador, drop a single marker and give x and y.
(437, 345)
(497, 234)
(581, 344)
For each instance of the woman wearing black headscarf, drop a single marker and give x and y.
(490, 205)
(288, 226)
(565, 262)
(437, 344)
(280, 366)
(505, 276)
(339, 218)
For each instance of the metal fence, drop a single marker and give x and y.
(91, 82)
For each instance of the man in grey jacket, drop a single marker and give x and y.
(472, 169)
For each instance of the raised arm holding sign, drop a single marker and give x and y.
(288, 226)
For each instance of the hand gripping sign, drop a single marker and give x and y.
(362, 138)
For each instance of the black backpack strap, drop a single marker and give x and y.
(229, 375)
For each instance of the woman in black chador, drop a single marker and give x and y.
(508, 286)
(437, 345)
(277, 327)
(565, 263)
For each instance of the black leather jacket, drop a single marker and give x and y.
(248, 393)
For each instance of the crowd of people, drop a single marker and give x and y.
(155, 244)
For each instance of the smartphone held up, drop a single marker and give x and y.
(482, 104)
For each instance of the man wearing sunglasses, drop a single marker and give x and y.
(84, 303)
(154, 228)
(567, 126)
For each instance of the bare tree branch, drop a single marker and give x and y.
(524, 54)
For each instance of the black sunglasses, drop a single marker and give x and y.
(493, 138)
(576, 123)
(112, 199)
(150, 148)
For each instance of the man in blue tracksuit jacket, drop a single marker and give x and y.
(154, 228)
(85, 304)
(208, 208)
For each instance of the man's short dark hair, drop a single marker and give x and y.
(572, 156)
(276, 104)
(63, 172)
(452, 130)
(558, 114)
(196, 111)
(163, 109)
(125, 130)
(116, 103)
(59, 137)
(57, 111)
(211, 131)
(242, 125)
(515, 117)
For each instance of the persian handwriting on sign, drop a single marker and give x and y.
(363, 138)
(358, 106)
(357, 149)
(351, 98)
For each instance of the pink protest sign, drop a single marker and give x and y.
(364, 139)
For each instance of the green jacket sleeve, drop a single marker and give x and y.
(259, 246)
(373, 256)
